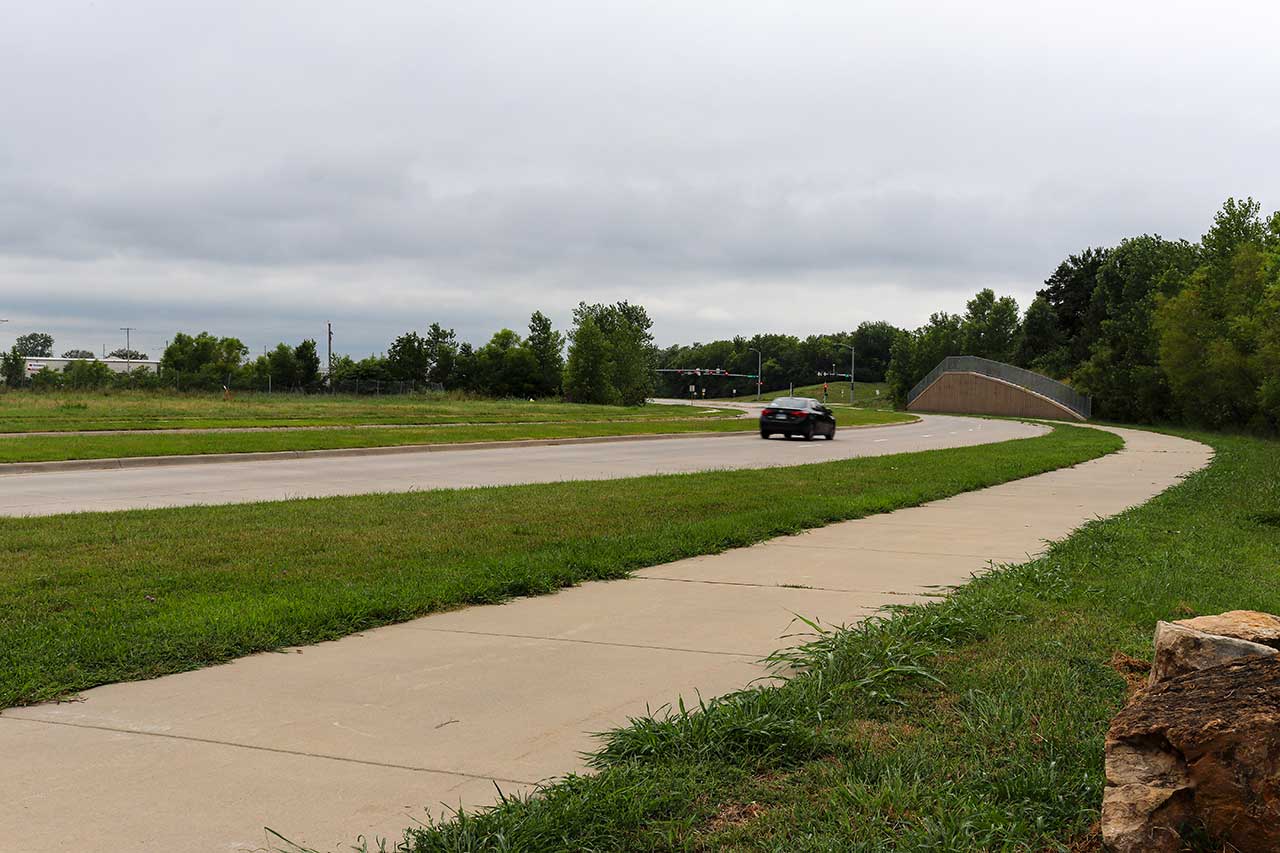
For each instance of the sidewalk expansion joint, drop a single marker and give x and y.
(855, 549)
(750, 655)
(929, 591)
(273, 749)
(757, 585)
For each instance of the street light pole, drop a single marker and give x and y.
(759, 364)
(852, 356)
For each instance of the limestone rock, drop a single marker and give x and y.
(1181, 649)
(1251, 625)
(1206, 746)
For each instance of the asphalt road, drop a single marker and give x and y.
(49, 493)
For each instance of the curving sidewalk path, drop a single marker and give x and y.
(359, 736)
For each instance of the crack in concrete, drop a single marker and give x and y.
(273, 749)
(752, 655)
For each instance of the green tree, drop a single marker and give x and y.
(1069, 292)
(46, 379)
(282, 367)
(588, 370)
(202, 361)
(991, 326)
(1269, 347)
(127, 354)
(874, 344)
(408, 358)
(359, 377)
(463, 375)
(1040, 347)
(78, 353)
(1214, 332)
(87, 375)
(505, 367)
(307, 359)
(1237, 223)
(13, 367)
(1122, 372)
(442, 351)
(631, 357)
(35, 345)
(547, 346)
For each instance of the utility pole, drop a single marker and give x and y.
(330, 374)
(759, 363)
(128, 348)
(851, 364)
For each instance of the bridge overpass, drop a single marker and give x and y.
(966, 384)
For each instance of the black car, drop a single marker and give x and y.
(801, 416)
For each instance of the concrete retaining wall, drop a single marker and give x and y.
(975, 394)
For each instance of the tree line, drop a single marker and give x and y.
(1155, 330)
(783, 360)
(610, 359)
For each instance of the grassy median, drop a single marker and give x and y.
(96, 598)
(53, 448)
(972, 724)
(38, 411)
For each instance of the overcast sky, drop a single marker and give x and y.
(259, 168)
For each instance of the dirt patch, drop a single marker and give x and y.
(733, 815)
(1134, 671)
(879, 734)
(1089, 842)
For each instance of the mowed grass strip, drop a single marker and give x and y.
(36, 411)
(54, 448)
(97, 598)
(972, 724)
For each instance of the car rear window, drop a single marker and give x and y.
(791, 403)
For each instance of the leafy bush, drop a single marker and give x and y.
(47, 379)
(84, 375)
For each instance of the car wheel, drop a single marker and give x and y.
(808, 431)
(764, 434)
(831, 434)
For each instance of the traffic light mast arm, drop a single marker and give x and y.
(704, 371)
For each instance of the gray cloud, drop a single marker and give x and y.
(258, 169)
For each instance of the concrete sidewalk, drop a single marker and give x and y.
(359, 736)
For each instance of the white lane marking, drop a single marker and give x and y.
(927, 435)
(878, 440)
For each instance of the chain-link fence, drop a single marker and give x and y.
(1081, 404)
(377, 387)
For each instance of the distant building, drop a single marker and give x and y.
(119, 365)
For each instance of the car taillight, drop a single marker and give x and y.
(767, 412)
(797, 414)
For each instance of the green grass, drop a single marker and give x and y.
(51, 448)
(975, 723)
(28, 411)
(96, 598)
